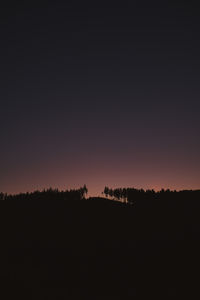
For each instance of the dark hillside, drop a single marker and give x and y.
(99, 248)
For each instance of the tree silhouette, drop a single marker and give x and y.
(50, 194)
(132, 195)
(106, 191)
(83, 191)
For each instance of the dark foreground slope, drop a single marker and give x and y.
(99, 249)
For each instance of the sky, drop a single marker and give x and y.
(99, 94)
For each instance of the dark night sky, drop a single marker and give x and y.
(99, 94)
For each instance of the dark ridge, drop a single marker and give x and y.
(99, 248)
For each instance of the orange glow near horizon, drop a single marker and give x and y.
(96, 185)
(98, 171)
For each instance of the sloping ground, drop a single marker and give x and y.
(98, 248)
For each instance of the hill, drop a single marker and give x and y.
(98, 248)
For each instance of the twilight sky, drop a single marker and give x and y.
(99, 94)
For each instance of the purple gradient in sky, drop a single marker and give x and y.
(99, 96)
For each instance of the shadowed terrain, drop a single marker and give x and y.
(99, 248)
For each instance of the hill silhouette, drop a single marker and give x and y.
(60, 245)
